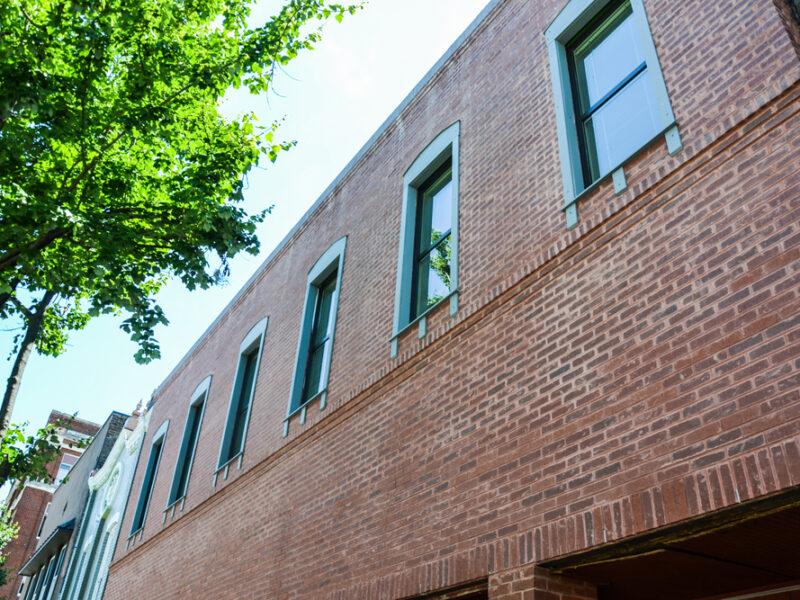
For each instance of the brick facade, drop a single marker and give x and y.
(636, 372)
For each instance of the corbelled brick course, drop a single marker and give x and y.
(637, 371)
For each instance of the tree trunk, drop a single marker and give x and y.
(14, 380)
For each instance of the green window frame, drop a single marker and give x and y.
(427, 272)
(191, 433)
(149, 480)
(317, 332)
(51, 586)
(604, 65)
(241, 404)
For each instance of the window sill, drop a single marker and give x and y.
(617, 172)
(132, 537)
(225, 467)
(171, 507)
(421, 322)
(301, 410)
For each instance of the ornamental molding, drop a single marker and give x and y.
(131, 440)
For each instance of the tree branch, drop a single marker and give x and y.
(22, 308)
(11, 258)
(15, 379)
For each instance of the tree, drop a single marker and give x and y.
(25, 457)
(117, 170)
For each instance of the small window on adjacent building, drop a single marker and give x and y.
(315, 346)
(427, 271)
(149, 478)
(44, 518)
(191, 432)
(67, 462)
(242, 397)
(611, 99)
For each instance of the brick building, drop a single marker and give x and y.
(64, 527)
(29, 501)
(539, 340)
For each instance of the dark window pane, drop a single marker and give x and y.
(187, 452)
(314, 373)
(320, 342)
(242, 404)
(323, 317)
(147, 485)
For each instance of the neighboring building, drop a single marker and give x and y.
(540, 340)
(109, 489)
(29, 501)
(44, 568)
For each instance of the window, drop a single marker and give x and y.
(44, 518)
(97, 569)
(242, 397)
(315, 346)
(427, 270)
(191, 432)
(432, 241)
(319, 350)
(610, 95)
(149, 478)
(67, 462)
(53, 577)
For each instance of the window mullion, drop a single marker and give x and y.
(625, 81)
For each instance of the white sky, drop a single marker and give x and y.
(333, 99)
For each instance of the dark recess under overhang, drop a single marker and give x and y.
(730, 553)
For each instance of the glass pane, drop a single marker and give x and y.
(623, 125)
(246, 390)
(436, 211)
(192, 430)
(442, 211)
(314, 372)
(433, 272)
(243, 404)
(323, 314)
(607, 57)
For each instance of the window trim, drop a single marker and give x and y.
(44, 518)
(444, 147)
(569, 22)
(142, 504)
(252, 342)
(331, 260)
(185, 455)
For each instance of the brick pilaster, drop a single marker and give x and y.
(535, 583)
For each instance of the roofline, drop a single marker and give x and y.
(490, 6)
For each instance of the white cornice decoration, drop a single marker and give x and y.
(135, 438)
(126, 439)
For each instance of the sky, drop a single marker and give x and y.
(332, 100)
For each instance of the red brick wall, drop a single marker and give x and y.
(533, 583)
(28, 515)
(636, 371)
